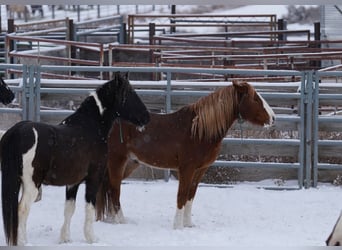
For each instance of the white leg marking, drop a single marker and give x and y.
(336, 235)
(88, 224)
(69, 209)
(29, 190)
(98, 102)
(179, 218)
(116, 218)
(187, 214)
(119, 217)
(268, 109)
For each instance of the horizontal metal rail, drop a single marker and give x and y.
(35, 87)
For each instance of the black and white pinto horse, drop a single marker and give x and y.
(67, 154)
(6, 94)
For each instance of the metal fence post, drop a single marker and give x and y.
(31, 93)
(168, 110)
(24, 93)
(308, 128)
(37, 94)
(316, 79)
(302, 115)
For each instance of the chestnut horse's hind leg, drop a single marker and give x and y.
(118, 170)
(69, 209)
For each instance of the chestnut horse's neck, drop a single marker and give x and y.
(215, 114)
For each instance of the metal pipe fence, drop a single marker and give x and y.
(304, 96)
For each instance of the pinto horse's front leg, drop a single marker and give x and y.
(69, 209)
(92, 182)
(88, 224)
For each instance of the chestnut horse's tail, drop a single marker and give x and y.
(103, 198)
(11, 162)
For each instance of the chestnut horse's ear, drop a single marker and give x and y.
(241, 87)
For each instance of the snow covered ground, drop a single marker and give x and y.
(240, 215)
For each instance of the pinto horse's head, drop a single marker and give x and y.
(252, 107)
(119, 98)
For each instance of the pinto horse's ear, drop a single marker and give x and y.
(241, 87)
(126, 75)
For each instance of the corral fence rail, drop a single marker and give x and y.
(295, 104)
(169, 23)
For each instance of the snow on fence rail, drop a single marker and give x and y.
(291, 140)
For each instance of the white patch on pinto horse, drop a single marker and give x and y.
(29, 189)
(88, 224)
(269, 111)
(98, 102)
(69, 209)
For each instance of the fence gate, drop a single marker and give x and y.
(327, 124)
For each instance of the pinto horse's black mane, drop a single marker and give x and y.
(96, 109)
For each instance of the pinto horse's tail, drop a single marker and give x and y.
(10, 166)
(103, 198)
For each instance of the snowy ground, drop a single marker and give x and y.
(241, 215)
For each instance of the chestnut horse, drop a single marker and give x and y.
(34, 153)
(187, 141)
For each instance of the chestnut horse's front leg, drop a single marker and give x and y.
(185, 181)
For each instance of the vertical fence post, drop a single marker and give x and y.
(315, 128)
(168, 110)
(152, 32)
(24, 93)
(10, 44)
(308, 129)
(123, 34)
(31, 92)
(282, 25)
(302, 114)
(37, 94)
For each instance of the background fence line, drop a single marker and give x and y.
(305, 95)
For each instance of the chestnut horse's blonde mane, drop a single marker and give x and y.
(214, 114)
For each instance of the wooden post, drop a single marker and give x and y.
(173, 11)
(10, 29)
(152, 32)
(71, 37)
(281, 26)
(317, 34)
(123, 35)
